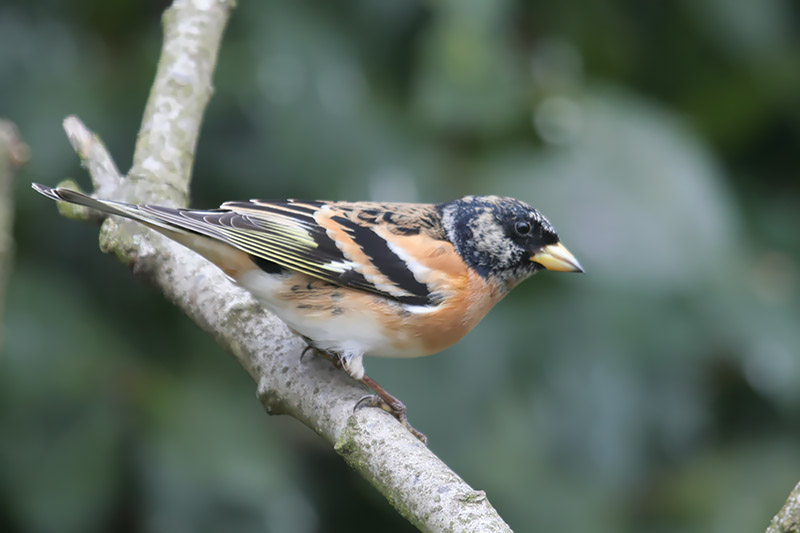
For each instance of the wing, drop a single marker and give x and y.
(350, 244)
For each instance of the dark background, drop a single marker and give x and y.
(658, 392)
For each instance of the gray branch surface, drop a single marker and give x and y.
(13, 153)
(788, 518)
(414, 480)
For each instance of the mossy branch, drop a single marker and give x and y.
(419, 485)
(788, 518)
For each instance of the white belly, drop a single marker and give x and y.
(353, 333)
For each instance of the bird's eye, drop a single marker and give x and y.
(523, 227)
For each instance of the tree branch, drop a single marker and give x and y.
(788, 518)
(416, 482)
(13, 153)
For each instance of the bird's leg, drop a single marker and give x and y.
(388, 403)
(381, 398)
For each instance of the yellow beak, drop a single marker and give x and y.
(556, 257)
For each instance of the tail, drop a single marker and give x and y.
(106, 206)
(187, 227)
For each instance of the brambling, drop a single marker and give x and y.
(383, 279)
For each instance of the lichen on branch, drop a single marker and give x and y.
(788, 518)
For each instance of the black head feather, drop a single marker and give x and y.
(496, 236)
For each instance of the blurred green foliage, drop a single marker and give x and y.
(658, 392)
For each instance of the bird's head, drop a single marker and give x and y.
(505, 239)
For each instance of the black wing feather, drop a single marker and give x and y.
(392, 266)
(285, 235)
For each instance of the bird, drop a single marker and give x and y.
(384, 279)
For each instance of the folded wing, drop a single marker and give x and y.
(346, 244)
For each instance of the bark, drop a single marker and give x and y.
(13, 153)
(416, 482)
(788, 518)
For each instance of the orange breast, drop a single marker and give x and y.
(466, 298)
(428, 333)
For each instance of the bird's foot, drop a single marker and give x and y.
(381, 398)
(388, 403)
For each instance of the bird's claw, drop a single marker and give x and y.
(307, 349)
(395, 408)
(371, 400)
(337, 362)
